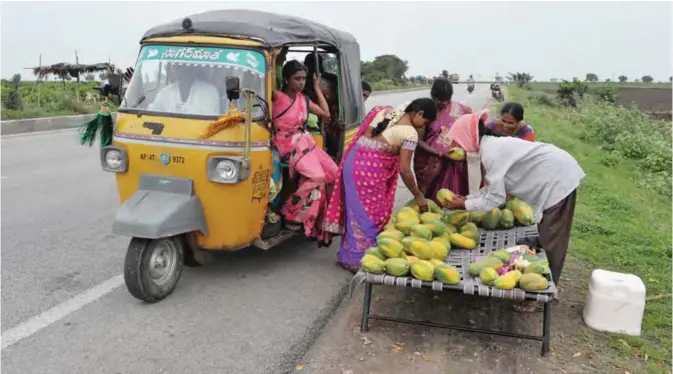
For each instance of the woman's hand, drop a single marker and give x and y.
(316, 82)
(457, 203)
(445, 156)
(422, 203)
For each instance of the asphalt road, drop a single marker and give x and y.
(65, 308)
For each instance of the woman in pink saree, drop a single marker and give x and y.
(432, 166)
(364, 195)
(314, 168)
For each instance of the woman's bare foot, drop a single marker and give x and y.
(528, 306)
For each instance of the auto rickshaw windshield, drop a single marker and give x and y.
(176, 80)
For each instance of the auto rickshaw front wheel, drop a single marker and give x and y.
(153, 267)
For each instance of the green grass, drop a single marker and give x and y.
(546, 86)
(52, 99)
(621, 224)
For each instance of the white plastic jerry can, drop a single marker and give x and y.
(615, 302)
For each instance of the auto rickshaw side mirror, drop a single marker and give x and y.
(233, 85)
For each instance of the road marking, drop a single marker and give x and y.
(60, 311)
(35, 133)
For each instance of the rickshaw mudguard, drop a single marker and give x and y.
(161, 207)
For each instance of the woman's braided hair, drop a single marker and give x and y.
(423, 104)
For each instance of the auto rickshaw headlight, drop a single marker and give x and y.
(114, 159)
(225, 169)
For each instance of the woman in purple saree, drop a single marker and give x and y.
(364, 195)
(432, 166)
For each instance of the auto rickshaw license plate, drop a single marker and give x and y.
(164, 158)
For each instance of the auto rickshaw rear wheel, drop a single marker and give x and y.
(153, 267)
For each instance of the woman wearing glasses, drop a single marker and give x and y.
(511, 123)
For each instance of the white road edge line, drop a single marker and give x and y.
(35, 133)
(60, 311)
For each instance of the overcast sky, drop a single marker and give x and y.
(547, 39)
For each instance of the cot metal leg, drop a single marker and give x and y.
(364, 326)
(546, 329)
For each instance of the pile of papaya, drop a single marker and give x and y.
(416, 244)
(514, 212)
(501, 271)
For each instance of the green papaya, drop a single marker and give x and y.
(398, 267)
(475, 268)
(491, 219)
(533, 282)
(506, 219)
(374, 251)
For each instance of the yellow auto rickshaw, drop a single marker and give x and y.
(187, 186)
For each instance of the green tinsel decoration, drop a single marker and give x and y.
(102, 124)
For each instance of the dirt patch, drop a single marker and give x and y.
(647, 99)
(397, 348)
(654, 100)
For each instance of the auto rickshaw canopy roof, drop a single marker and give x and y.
(278, 30)
(272, 29)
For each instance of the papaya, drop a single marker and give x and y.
(515, 274)
(491, 219)
(439, 250)
(506, 219)
(390, 226)
(476, 217)
(450, 229)
(390, 233)
(447, 274)
(524, 214)
(398, 267)
(421, 231)
(405, 225)
(374, 251)
(412, 259)
(444, 195)
(472, 234)
(469, 226)
(435, 262)
(372, 264)
(407, 214)
(457, 154)
(390, 248)
(434, 208)
(443, 240)
(421, 248)
(456, 217)
(475, 268)
(422, 270)
(512, 203)
(501, 255)
(488, 276)
(537, 268)
(436, 227)
(505, 282)
(406, 243)
(533, 282)
(428, 216)
(463, 242)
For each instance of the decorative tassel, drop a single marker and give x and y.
(101, 123)
(233, 117)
